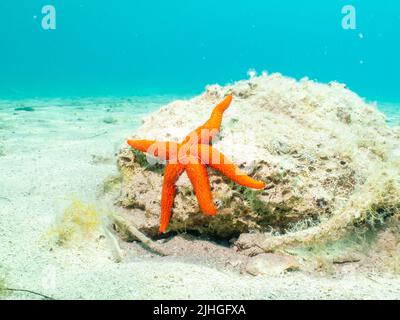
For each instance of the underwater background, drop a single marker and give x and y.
(123, 48)
(72, 95)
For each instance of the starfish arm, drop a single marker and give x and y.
(164, 150)
(216, 116)
(198, 176)
(219, 162)
(171, 175)
(206, 133)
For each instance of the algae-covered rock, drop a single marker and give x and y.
(314, 144)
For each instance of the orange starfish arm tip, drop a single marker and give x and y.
(206, 133)
(216, 116)
(216, 160)
(171, 174)
(141, 145)
(224, 104)
(164, 150)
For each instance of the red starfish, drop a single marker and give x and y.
(193, 154)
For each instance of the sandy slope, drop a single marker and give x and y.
(48, 160)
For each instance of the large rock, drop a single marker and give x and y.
(314, 144)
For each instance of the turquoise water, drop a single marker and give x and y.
(70, 97)
(125, 47)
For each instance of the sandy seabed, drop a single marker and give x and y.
(64, 149)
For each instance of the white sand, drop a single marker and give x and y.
(48, 160)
